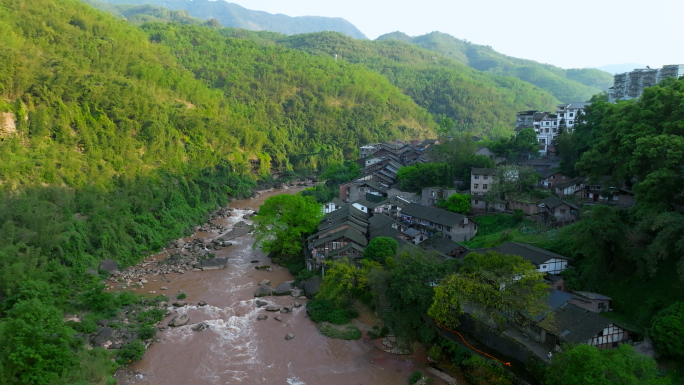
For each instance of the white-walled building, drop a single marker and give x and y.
(548, 126)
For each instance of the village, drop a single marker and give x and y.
(373, 206)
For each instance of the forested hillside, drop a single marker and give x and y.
(571, 85)
(633, 256)
(478, 102)
(110, 148)
(233, 15)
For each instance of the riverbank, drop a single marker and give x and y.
(235, 348)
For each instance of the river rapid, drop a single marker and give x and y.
(238, 349)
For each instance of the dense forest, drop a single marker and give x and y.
(110, 147)
(233, 15)
(567, 85)
(478, 102)
(636, 145)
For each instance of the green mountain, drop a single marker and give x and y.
(116, 140)
(233, 15)
(478, 102)
(567, 85)
(101, 100)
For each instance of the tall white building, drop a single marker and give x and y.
(630, 85)
(548, 126)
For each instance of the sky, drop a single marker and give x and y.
(568, 34)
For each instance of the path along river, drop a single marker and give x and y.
(238, 349)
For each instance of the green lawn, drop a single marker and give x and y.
(495, 229)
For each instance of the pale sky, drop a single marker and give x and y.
(568, 34)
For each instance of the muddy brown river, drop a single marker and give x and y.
(238, 349)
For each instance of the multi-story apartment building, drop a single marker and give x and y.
(481, 180)
(548, 126)
(630, 85)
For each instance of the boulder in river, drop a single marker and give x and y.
(265, 282)
(179, 320)
(311, 288)
(297, 293)
(284, 288)
(263, 291)
(261, 317)
(200, 326)
(272, 308)
(213, 263)
(179, 304)
(289, 336)
(260, 303)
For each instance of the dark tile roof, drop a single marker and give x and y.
(378, 221)
(574, 324)
(346, 212)
(345, 248)
(590, 295)
(324, 228)
(553, 202)
(482, 171)
(347, 233)
(548, 173)
(553, 300)
(569, 183)
(366, 203)
(433, 214)
(527, 252)
(441, 244)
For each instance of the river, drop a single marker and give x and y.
(238, 349)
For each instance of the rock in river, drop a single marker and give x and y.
(263, 291)
(289, 336)
(179, 320)
(284, 288)
(272, 308)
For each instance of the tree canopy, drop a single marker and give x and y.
(584, 364)
(282, 222)
(491, 283)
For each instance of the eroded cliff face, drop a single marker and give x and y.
(7, 124)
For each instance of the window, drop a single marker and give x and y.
(559, 288)
(475, 186)
(543, 266)
(449, 228)
(570, 122)
(433, 193)
(477, 202)
(562, 212)
(553, 177)
(476, 176)
(335, 245)
(547, 130)
(486, 177)
(570, 115)
(602, 305)
(484, 186)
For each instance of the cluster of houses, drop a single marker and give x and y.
(371, 206)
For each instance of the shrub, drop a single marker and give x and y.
(667, 331)
(323, 310)
(182, 296)
(147, 332)
(132, 351)
(415, 377)
(349, 332)
(435, 352)
(480, 372)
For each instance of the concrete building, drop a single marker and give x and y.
(481, 180)
(548, 126)
(630, 85)
(431, 195)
